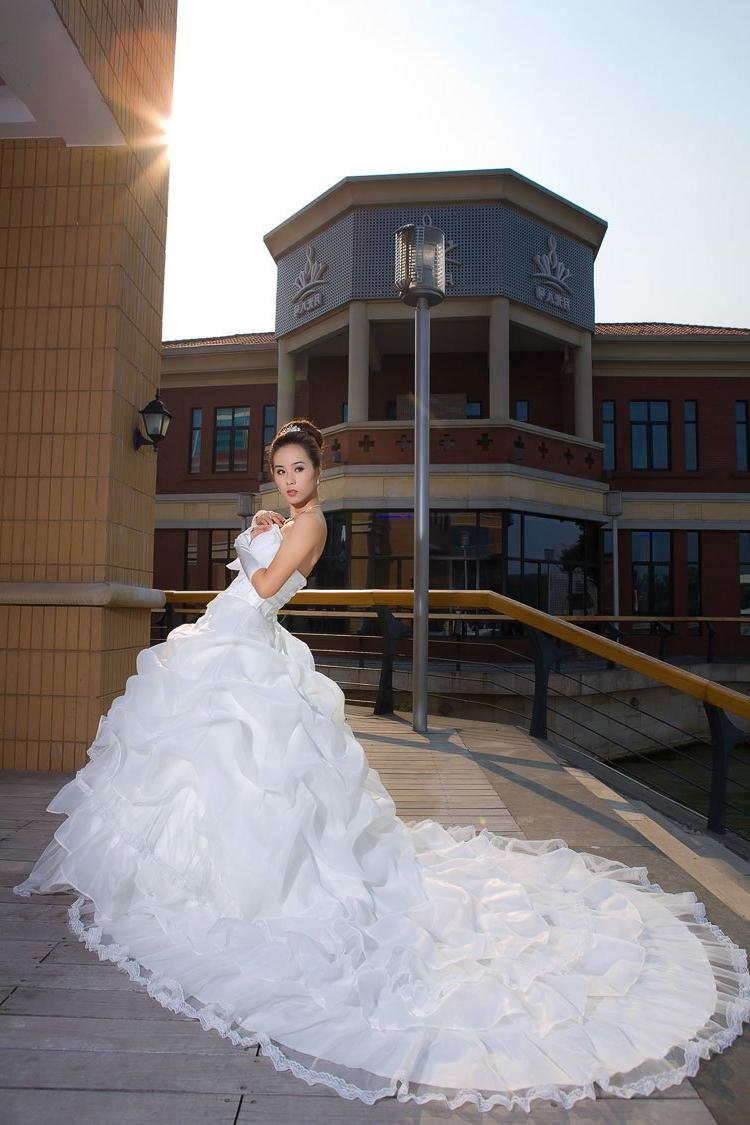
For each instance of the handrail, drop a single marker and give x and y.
(707, 691)
(202, 597)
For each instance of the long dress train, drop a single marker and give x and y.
(234, 852)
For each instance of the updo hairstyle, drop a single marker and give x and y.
(300, 431)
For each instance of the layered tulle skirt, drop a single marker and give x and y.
(233, 851)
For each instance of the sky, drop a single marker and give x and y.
(636, 111)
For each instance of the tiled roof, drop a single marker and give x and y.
(219, 341)
(609, 328)
(659, 328)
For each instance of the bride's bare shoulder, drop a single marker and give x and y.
(308, 525)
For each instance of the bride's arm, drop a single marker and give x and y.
(297, 546)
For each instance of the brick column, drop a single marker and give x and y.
(82, 232)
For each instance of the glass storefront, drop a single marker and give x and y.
(545, 561)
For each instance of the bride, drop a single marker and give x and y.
(233, 851)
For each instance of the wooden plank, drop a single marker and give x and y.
(235, 1071)
(57, 1033)
(287, 1111)
(94, 974)
(31, 1000)
(24, 950)
(63, 1107)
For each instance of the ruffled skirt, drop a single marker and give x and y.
(234, 852)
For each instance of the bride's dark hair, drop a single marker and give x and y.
(300, 431)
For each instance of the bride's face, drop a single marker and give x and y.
(294, 474)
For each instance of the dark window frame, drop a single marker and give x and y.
(650, 426)
(233, 431)
(188, 557)
(694, 596)
(193, 431)
(651, 565)
(609, 436)
(222, 557)
(743, 569)
(690, 436)
(269, 432)
(742, 434)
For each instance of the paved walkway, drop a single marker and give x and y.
(79, 1043)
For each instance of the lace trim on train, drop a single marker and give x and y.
(170, 995)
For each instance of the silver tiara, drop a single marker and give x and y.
(291, 429)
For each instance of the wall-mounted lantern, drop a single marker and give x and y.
(156, 419)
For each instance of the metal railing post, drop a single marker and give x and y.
(546, 654)
(614, 633)
(711, 637)
(662, 633)
(391, 630)
(724, 737)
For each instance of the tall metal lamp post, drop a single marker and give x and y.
(420, 280)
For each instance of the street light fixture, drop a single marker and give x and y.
(420, 280)
(156, 419)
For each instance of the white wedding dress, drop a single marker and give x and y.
(235, 853)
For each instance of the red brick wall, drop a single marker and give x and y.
(169, 558)
(326, 389)
(536, 376)
(173, 456)
(716, 439)
(720, 592)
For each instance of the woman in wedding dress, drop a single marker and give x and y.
(233, 851)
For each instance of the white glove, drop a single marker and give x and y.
(235, 564)
(245, 557)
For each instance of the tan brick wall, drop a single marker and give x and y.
(82, 236)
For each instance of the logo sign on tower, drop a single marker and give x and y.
(308, 284)
(552, 278)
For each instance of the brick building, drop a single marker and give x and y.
(85, 87)
(555, 440)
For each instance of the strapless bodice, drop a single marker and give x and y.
(261, 551)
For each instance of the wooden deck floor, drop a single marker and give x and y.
(79, 1043)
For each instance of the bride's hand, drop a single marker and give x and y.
(264, 521)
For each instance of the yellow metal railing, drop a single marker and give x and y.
(561, 628)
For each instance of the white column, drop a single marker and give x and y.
(359, 362)
(499, 359)
(584, 391)
(285, 385)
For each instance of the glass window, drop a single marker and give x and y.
(552, 563)
(742, 433)
(691, 435)
(649, 434)
(651, 557)
(196, 424)
(390, 411)
(269, 431)
(608, 434)
(693, 558)
(473, 409)
(231, 439)
(191, 581)
(521, 410)
(221, 551)
(744, 546)
(344, 411)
